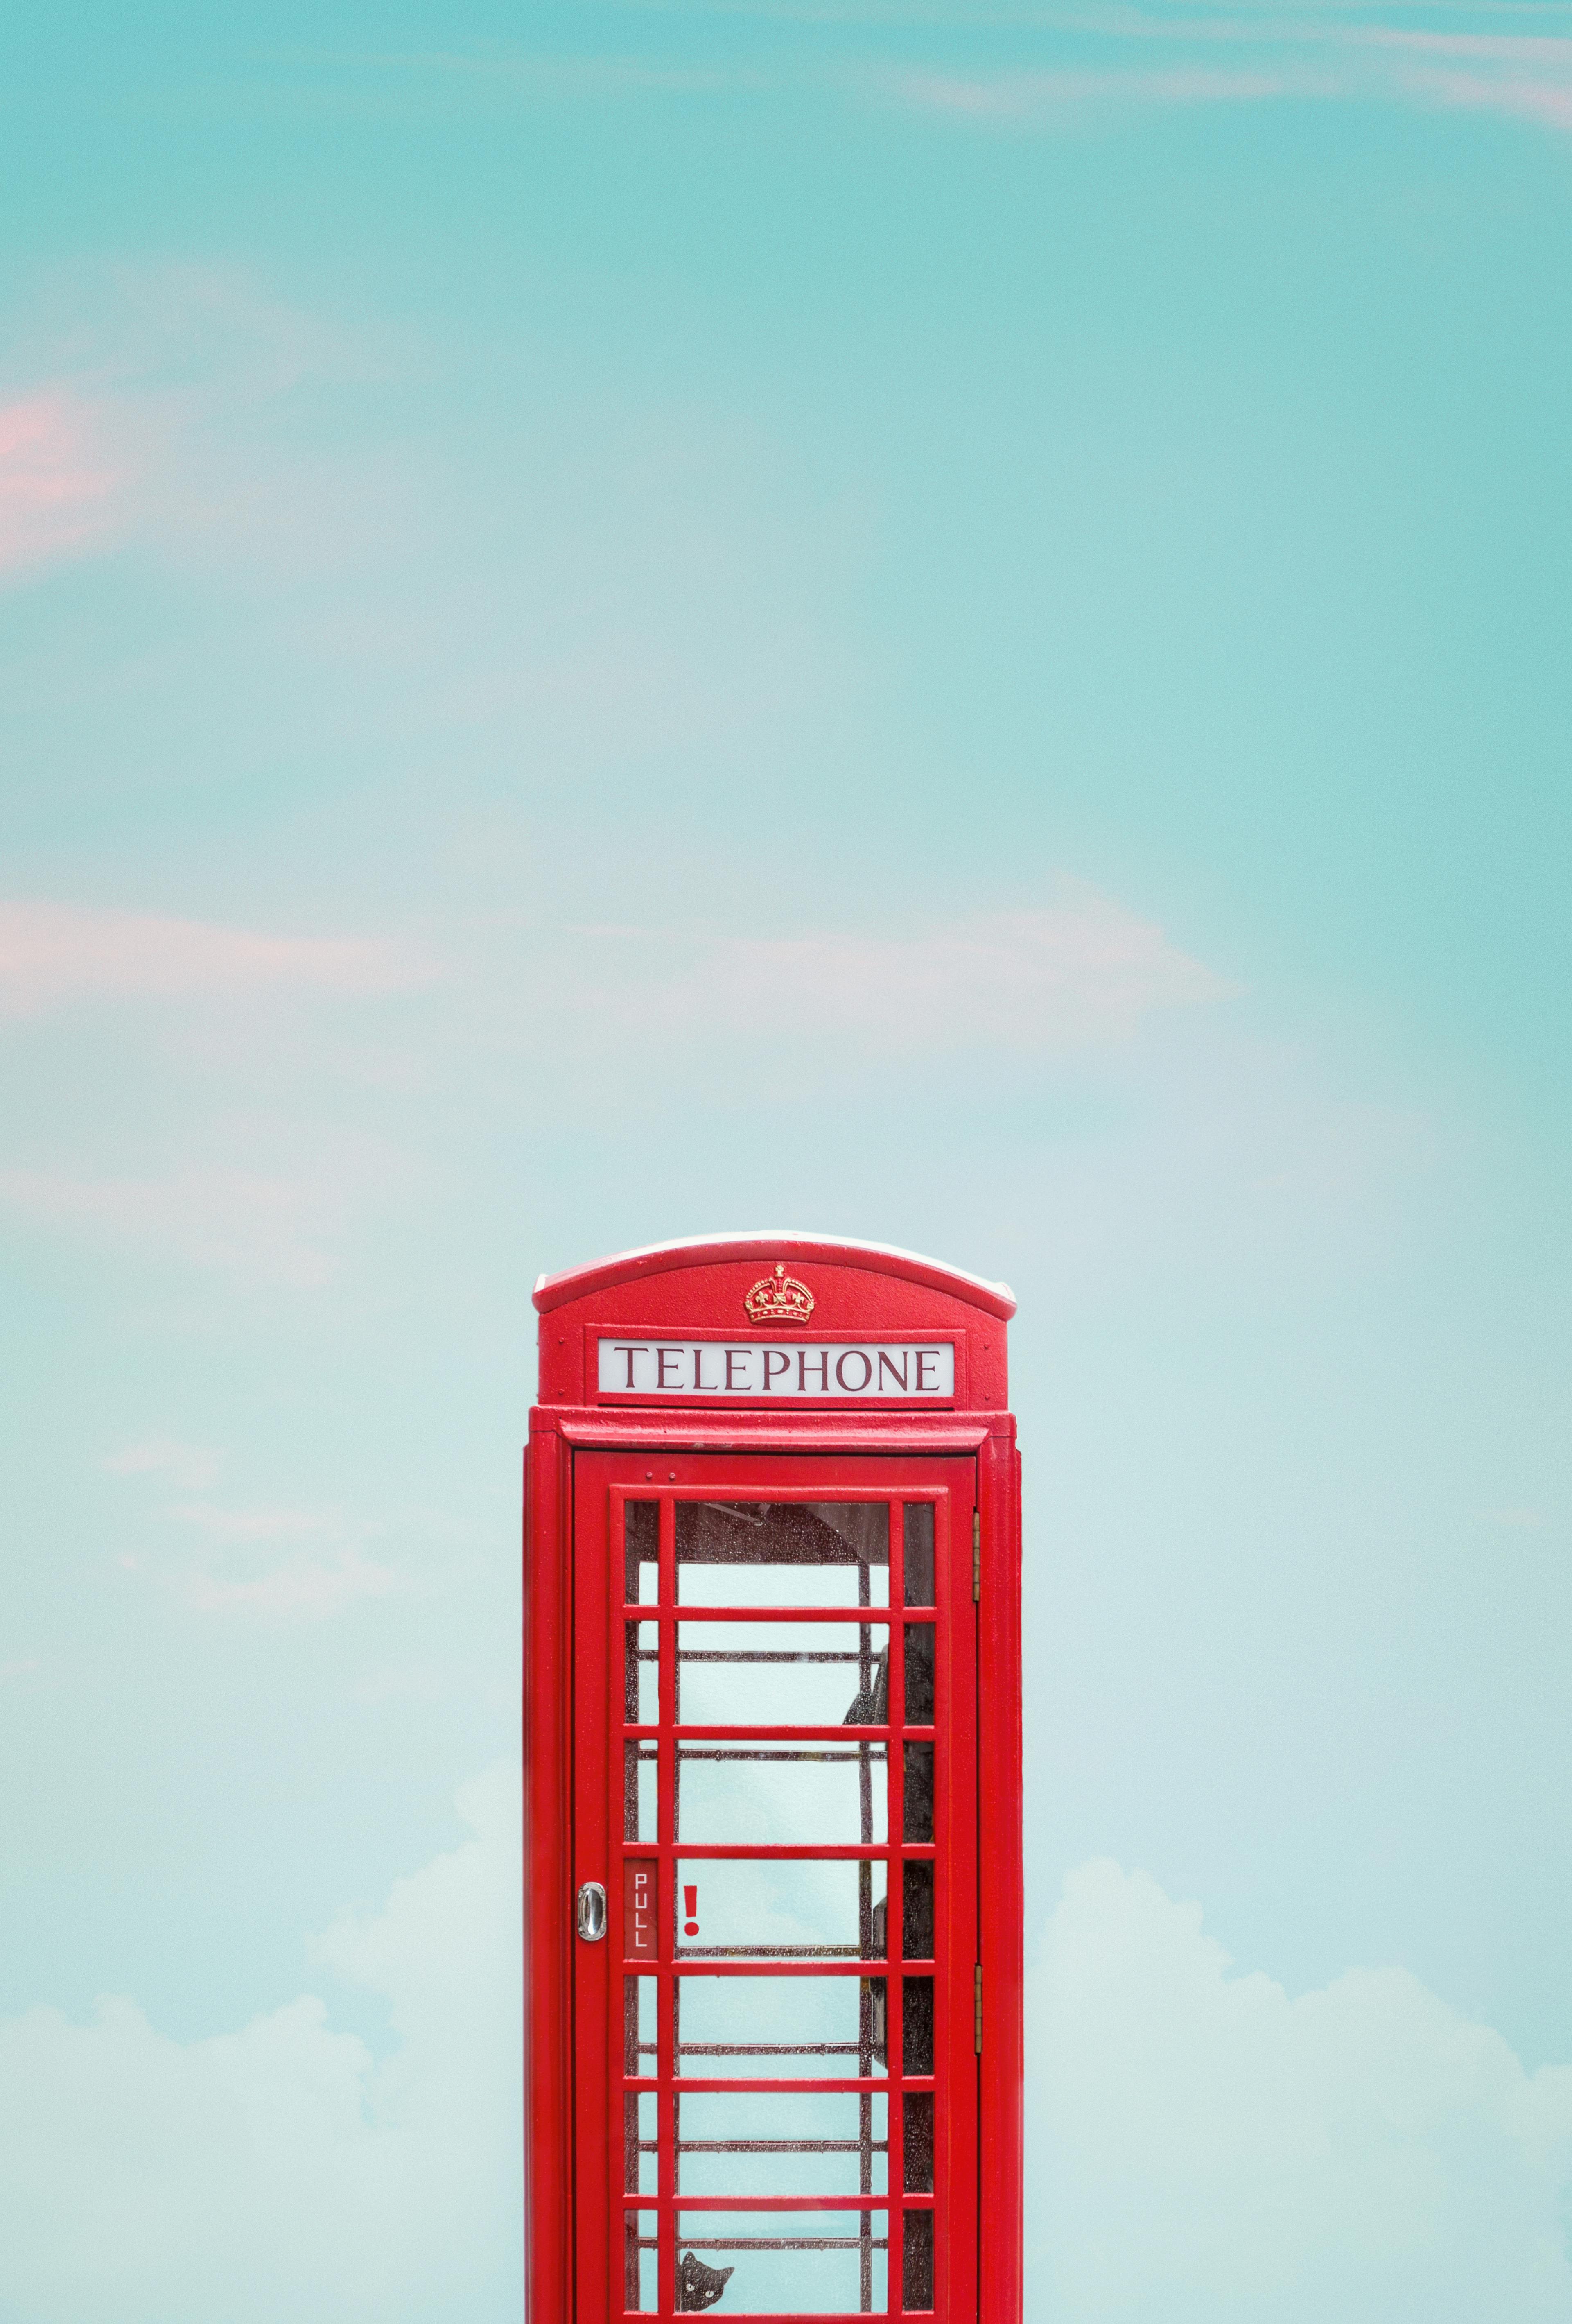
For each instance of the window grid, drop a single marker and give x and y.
(669, 1968)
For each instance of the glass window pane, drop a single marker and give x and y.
(782, 1552)
(777, 1673)
(920, 1673)
(918, 1794)
(781, 1795)
(918, 1536)
(917, 2142)
(640, 2262)
(917, 2025)
(769, 2028)
(641, 2158)
(641, 1674)
(641, 1551)
(641, 1775)
(802, 2263)
(639, 2054)
(917, 2261)
(796, 1908)
(917, 1913)
(768, 2142)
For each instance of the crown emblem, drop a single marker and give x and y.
(779, 1298)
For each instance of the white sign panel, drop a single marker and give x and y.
(895, 1371)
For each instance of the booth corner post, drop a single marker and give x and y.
(772, 1737)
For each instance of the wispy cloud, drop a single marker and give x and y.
(1308, 58)
(256, 1228)
(1082, 970)
(1060, 72)
(144, 410)
(311, 1587)
(286, 1562)
(1027, 94)
(52, 954)
(191, 1468)
(267, 1559)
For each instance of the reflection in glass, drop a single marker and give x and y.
(641, 1674)
(802, 1908)
(918, 1535)
(918, 1799)
(782, 1552)
(640, 2262)
(775, 2143)
(766, 2028)
(917, 2143)
(919, 1673)
(639, 2052)
(780, 1794)
(917, 2025)
(640, 2159)
(917, 1912)
(917, 2261)
(774, 1673)
(795, 2265)
(641, 1552)
(641, 1773)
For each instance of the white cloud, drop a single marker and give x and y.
(52, 954)
(279, 2171)
(192, 1468)
(1206, 2148)
(1202, 2146)
(323, 1570)
(305, 1585)
(269, 1561)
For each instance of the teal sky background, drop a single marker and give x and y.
(947, 624)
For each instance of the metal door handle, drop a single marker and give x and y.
(591, 1911)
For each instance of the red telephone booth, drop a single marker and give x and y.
(772, 1736)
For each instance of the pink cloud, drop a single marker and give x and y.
(256, 1228)
(55, 954)
(56, 486)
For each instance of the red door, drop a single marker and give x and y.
(774, 1726)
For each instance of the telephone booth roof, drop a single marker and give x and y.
(783, 1288)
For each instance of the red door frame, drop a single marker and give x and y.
(603, 1483)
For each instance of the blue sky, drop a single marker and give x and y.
(941, 624)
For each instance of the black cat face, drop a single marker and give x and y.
(698, 2286)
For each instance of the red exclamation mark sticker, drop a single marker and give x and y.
(691, 1899)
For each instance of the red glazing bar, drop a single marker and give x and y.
(814, 2084)
(773, 2203)
(851, 1965)
(895, 1908)
(737, 1851)
(665, 2038)
(744, 1733)
(794, 2316)
(870, 1617)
